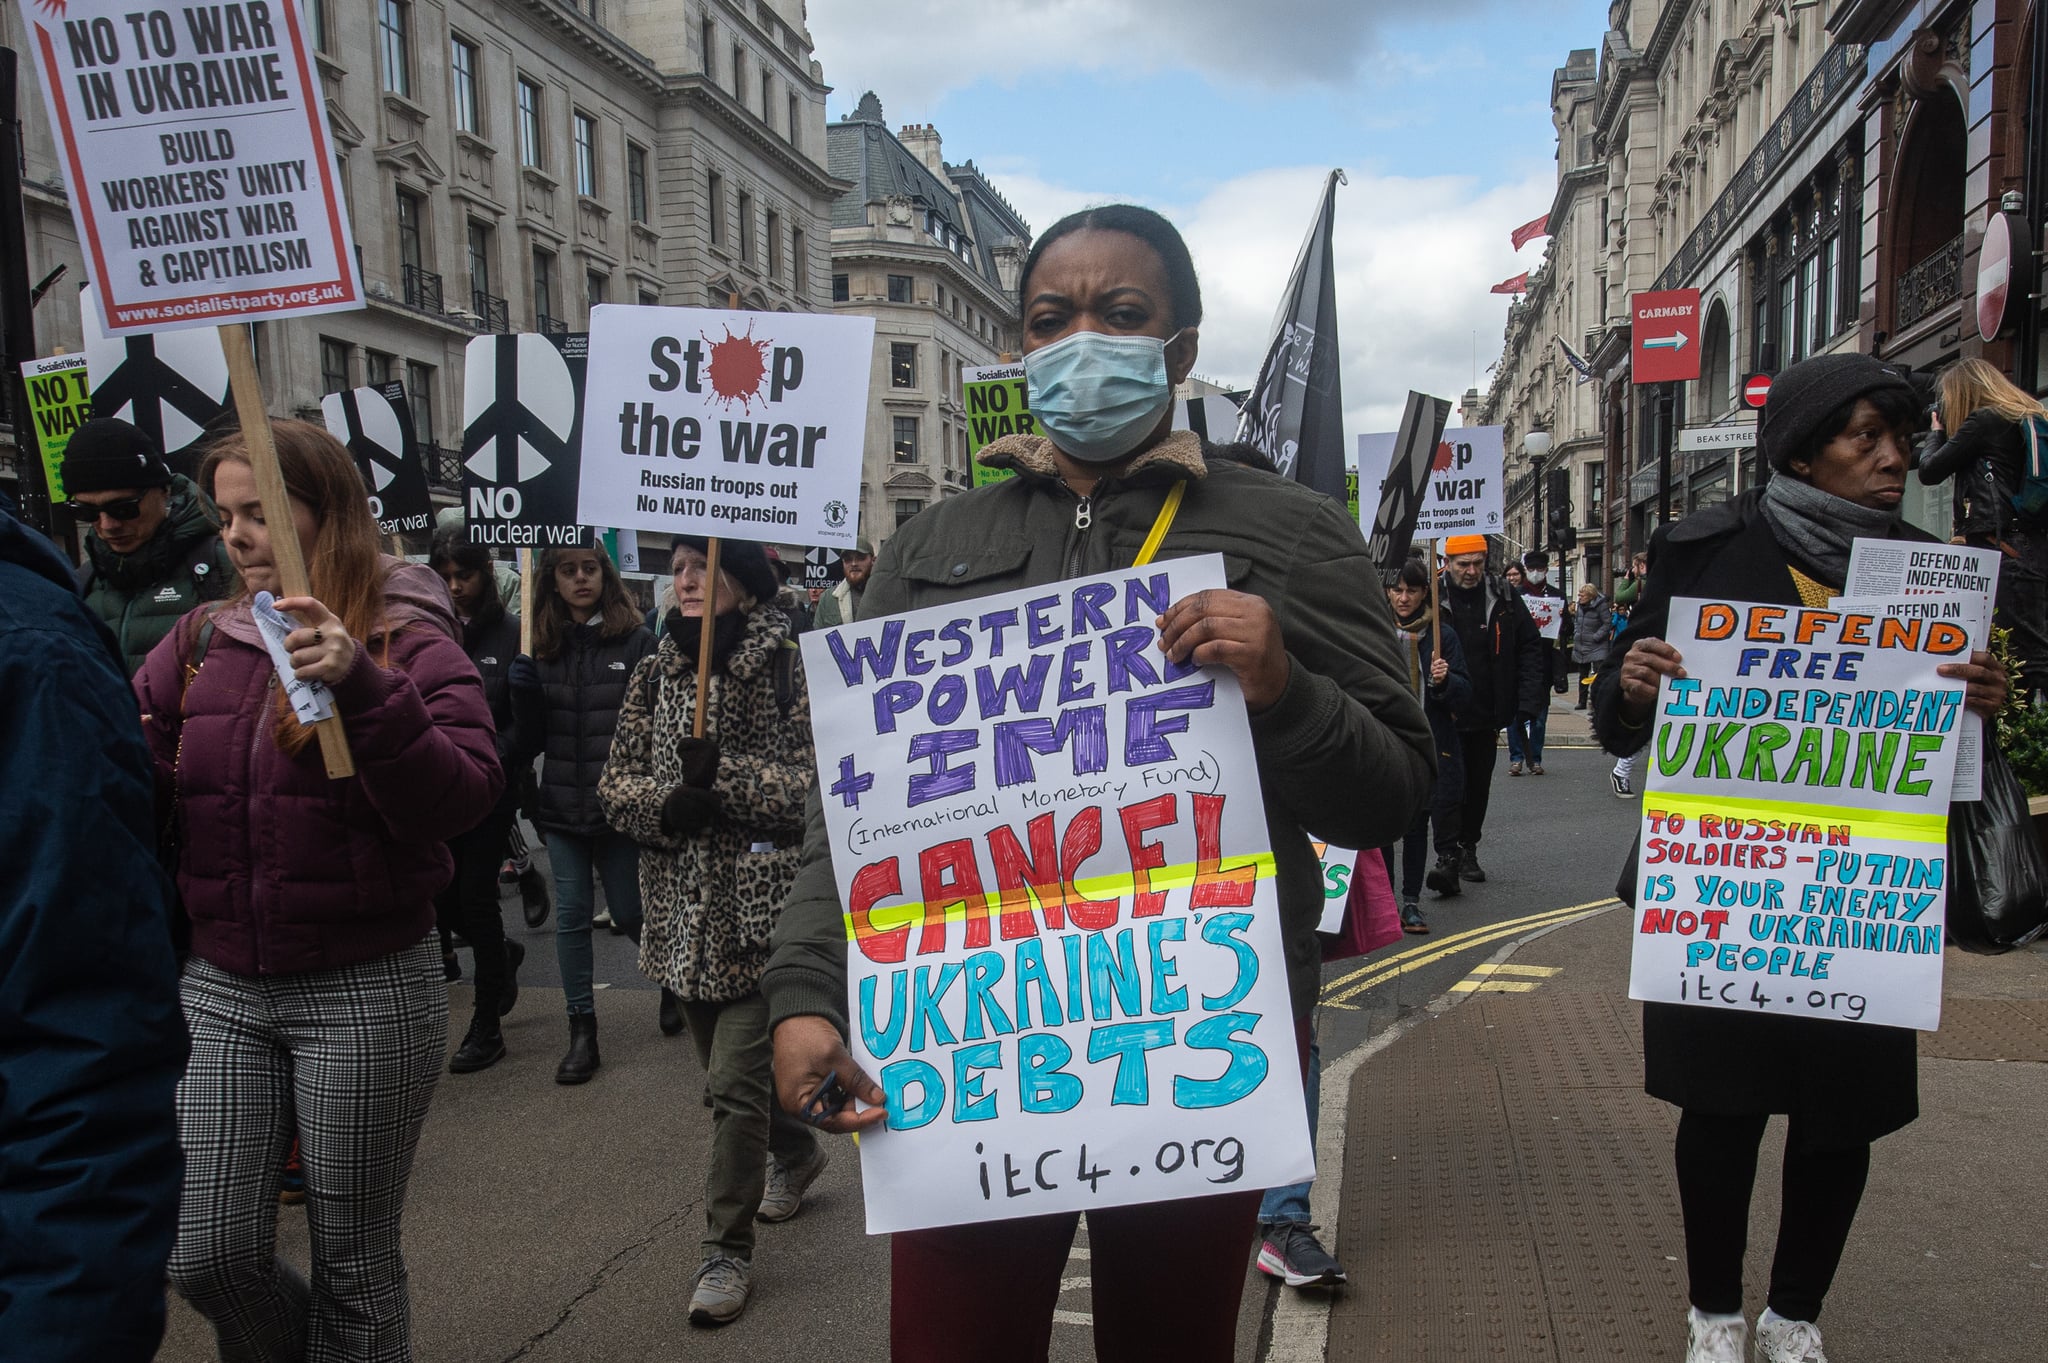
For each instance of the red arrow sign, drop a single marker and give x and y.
(1755, 389)
(1665, 336)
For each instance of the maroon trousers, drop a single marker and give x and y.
(1166, 1279)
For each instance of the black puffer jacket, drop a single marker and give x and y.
(492, 645)
(581, 691)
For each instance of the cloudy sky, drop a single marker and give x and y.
(1226, 116)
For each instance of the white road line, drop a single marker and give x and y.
(1072, 1318)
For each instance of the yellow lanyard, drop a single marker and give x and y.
(1161, 524)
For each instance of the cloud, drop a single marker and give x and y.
(959, 42)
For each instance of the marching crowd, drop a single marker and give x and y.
(212, 955)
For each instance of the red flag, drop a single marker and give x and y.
(1529, 231)
(1519, 284)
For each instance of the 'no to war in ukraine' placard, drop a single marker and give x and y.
(1794, 853)
(1064, 962)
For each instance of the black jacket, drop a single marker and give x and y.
(580, 694)
(1519, 678)
(492, 645)
(1987, 456)
(1848, 1082)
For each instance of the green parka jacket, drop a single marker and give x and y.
(1345, 755)
(141, 595)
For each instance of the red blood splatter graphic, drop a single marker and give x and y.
(738, 364)
(1443, 458)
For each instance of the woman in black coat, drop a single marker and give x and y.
(1836, 430)
(1985, 451)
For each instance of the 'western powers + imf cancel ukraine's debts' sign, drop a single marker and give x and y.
(1064, 960)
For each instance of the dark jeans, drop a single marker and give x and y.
(1525, 739)
(469, 905)
(1716, 1170)
(1479, 751)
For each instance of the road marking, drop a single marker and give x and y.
(1072, 1318)
(1337, 991)
(1541, 972)
(1482, 986)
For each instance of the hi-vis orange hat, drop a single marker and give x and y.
(1464, 544)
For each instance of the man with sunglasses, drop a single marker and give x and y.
(152, 539)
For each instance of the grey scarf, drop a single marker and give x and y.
(1815, 527)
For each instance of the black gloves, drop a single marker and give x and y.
(700, 761)
(523, 675)
(688, 811)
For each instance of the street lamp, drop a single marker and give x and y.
(1536, 444)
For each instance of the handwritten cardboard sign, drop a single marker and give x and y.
(1064, 954)
(194, 142)
(742, 424)
(1794, 854)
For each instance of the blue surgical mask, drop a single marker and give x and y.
(1099, 396)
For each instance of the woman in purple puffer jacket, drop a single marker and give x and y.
(314, 990)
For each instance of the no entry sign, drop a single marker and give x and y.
(1756, 389)
(1665, 336)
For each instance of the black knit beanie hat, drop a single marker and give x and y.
(1805, 395)
(745, 560)
(105, 455)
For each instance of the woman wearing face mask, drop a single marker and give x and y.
(314, 990)
(719, 820)
(1111, 310)
(1836, 430)
(587, 639)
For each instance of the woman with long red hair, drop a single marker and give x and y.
(314, 991)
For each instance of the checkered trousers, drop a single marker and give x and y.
(354, 1053)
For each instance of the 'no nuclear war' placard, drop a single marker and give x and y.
(1064, 961)
(699, 421)
(194, 142)
(1794, 853)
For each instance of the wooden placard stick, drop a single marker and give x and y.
(1436, 627)
(277, 513)
(705, 635)
(528, 591)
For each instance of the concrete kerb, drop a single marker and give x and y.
(1301, 1320)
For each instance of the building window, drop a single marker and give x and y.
(905, 444)
(771, 232)
(899, 288)
(649, 299)
(1596, 491)
(708, 38)
(530, 139)
(394, 26)
(464, 61)
(768, 99)
(794, 121)
(906, 507)
(739, 73)
(410, 253)
(636, 182)
(714, 205)
(316, 21)
(596, 285)
(543, 290)
(333, 366)
(586, 154)
(479, 257)
(419, 392)
(746, 206)
(799, 267)
(376, 369)
(902, 365)
(841, 291)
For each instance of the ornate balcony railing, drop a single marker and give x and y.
(550, 326)
(1933, 282)
(444, 466)
(492, 312)
(422, 289)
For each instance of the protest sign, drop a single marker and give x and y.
(59, 402)
(194, 141)
(173, 387)
(1547, 612)
(1901, 568)
(522, 420)
(1401, 478)
(1064, 960)
(1464, 492)
(821, 568)
(1338, 864)
(998, 403)
(1794, 852)
(376, 425)
(744, 424)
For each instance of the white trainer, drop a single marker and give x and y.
(1779, 1340)
(1714, 1339)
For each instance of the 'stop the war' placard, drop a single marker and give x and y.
(194, 141)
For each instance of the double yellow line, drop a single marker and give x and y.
(1336, 991)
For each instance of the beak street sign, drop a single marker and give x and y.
(1665, 336)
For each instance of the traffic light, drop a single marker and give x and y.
(1559, 532)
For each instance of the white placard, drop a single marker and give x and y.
(742, 424)
(1547, 612)
(1339, 865)
(1465, 492)
(311, 701)
(1794, 850)
(1901, 568)
(193, 136)
(1064, 959)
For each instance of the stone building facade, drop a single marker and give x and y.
(509, 164)
(932, 252)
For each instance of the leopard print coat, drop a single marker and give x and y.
(710, 901)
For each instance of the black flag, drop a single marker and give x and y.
(1295, 413)
(1407, 477)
